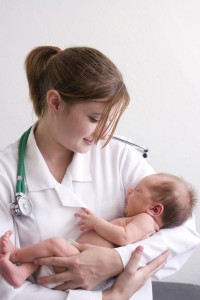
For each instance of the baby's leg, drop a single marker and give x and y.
(13, 274)
(93, 238)
(7, 246)
(51, 247)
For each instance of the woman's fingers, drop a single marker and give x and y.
(133, 278)
(66, 286)
(134, 260)
(57, 278)
(156, 264)
(129, 273)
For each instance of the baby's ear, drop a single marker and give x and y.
(156, 209)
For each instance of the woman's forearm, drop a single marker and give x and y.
(182, 241)
(133, 278)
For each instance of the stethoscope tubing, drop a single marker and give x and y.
(143, 149)
(22, 204)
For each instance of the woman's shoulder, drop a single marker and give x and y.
(9, 156)
(11, 149)
(115, 146)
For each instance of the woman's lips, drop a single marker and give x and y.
(89, 142)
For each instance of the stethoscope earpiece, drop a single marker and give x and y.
(140, 148)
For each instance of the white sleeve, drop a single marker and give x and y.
(181, 241)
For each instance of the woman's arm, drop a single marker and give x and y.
(181, 241)
(132, 278)
(127, 283)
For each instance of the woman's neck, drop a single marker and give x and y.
(56, 156)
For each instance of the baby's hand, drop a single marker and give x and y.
(88, 219)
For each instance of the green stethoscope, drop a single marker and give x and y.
(22, 205)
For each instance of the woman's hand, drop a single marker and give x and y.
(133, 278)
(92, 266)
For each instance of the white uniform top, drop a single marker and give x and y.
(98, 180)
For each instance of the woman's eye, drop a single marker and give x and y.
(93, 120)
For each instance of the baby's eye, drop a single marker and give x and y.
(137, 189)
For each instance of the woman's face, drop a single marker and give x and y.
(74, 127)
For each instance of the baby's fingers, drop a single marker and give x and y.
(81, 215)
(86, 210)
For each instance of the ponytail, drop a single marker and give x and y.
(36, 65)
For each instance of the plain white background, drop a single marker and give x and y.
(155, 44)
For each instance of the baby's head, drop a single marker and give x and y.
(167, 198)
(177, 196)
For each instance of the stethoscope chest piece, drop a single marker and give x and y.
(22, 206)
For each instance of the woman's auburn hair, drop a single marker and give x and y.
(79, 74)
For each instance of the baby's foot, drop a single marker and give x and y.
(10, 272)
(7, 245)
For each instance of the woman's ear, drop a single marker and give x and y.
(53, 100)
(156, 209)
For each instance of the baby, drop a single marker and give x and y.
(158, 201)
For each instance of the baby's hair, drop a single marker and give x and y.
(177, 196)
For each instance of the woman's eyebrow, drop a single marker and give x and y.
(97, 114)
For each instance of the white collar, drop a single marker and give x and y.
(38, 176)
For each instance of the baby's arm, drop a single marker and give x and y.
(139, 227)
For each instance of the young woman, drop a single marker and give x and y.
(71, 161)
